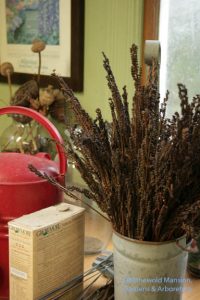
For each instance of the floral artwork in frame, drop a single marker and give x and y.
(59, 23)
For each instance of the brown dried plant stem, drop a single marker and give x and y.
(39, 67)
(9, 83)
(68, 190)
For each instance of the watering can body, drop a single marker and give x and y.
(23, 192)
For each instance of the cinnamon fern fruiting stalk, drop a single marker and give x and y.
(144, 169)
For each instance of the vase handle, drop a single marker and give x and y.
(188, 248)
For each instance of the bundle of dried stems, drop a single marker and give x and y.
(144, 172)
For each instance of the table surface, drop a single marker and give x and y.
(194, 289)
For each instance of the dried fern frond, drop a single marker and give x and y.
(144, 170)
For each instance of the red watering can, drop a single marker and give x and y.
(21, 191)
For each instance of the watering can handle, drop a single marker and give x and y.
(46, 123)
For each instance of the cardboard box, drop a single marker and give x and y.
(46, 249)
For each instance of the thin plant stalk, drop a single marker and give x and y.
(9, 83)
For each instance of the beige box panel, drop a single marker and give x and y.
(46, 249)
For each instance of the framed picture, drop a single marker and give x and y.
(59, 23)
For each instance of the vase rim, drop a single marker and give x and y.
(147, 242)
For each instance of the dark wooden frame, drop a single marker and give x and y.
(150, 26)
(77, 53)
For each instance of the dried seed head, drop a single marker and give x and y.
(38, 46)
(185, 133)
(7, 68)
(46, 96)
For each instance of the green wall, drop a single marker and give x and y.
(110, 26)
(4, 100)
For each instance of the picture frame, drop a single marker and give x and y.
(71, 43)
